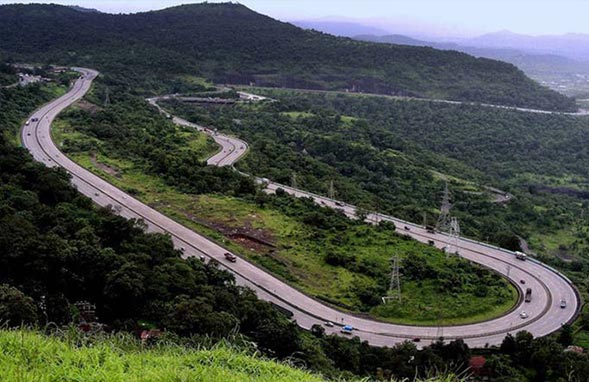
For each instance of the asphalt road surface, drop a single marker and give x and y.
(544, 312)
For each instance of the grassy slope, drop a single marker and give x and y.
(30, 356)
(299, 257)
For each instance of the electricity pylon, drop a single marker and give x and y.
(444, 222)
(331, 191)
(293, 180)
(394, 292)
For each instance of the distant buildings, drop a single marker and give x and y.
(28, 79)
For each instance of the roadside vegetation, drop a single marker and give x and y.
(305, 245)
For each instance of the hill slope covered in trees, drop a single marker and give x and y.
(230, 43)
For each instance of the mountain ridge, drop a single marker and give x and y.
(229, 43)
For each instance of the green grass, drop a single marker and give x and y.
(27, 356)
(297, 254)
(297, 114)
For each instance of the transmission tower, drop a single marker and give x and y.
(293, 180)
(444, 222)
(106, 99)
(331, 191)
(454, 234)
(394, 292)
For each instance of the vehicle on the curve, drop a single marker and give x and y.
(430, 229)
(348, 329)
(431, 242)
(182, 249)
(563, 303)
(34, 119)
(520, 256)
(339, 204)
(29, 134)
(523, 315)
(528, 297)
(27, 123)
(203, 259)
(231, 257)
(522, 281)
(329, 324)
(417, 339)
(406, 228)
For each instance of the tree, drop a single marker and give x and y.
(565, 337)
(16, 308)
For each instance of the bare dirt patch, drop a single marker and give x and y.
(88, 106)
(258, 240)
(108, 169)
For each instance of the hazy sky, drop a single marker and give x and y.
(437, 16)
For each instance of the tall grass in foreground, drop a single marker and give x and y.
(27, 356)
(31, 356)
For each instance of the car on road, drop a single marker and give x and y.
(29, 134)
(431, 242)
(328, 324)
(523, 315)
(407, 228)
(27, 123)
(348, 329)
(416, 339)
(339, 204)
(563, 303)
(522, 281)
(231, 257)
(34, 119)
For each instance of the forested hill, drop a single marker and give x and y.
(230, 43)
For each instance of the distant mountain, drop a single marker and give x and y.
(575, 46)
(230, 43)
(82, 9)
(539, 65)
(340, 28)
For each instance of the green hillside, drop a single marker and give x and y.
(230, 43)
(31, 356)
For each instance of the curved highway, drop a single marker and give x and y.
(232, 149)
(545, 314)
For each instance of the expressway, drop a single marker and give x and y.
(232, 149)
(580, 112)
(549, 287)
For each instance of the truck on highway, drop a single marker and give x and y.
(528, 296)
(520, 256)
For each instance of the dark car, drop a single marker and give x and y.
(230, 257)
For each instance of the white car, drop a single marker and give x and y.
(523, 315)
(329, 324)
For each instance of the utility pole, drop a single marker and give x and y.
(394, 292)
